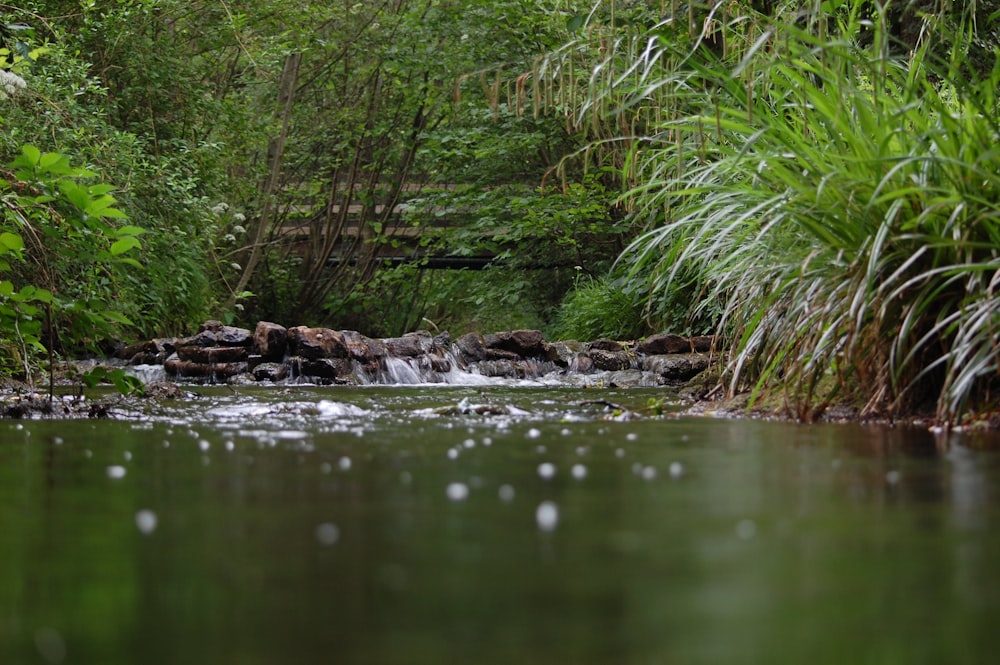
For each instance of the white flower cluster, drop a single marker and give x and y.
(10, 83)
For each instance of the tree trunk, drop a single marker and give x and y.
(276, 150)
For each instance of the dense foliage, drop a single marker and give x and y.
(831, 181)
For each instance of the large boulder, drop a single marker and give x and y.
(665, 343)
(605, 345)
(524, 343)
(215, 343)
(222, 335)
(270, 341)
(363, 349)
(610, 361)
(676, 367)
(472, 347)
(212, 355)
(181, 368)
(411, 345)
(316, 343)
(270, 371)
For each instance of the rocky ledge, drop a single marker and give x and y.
(273, 353)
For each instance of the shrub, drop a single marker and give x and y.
(844, 206)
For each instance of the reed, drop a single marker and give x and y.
(841, 202)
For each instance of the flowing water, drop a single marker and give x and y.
(489, 524)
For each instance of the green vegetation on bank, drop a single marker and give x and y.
(817, 182)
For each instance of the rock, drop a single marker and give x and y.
(610, 361)
(411, 344)
(704, 343)
(472, 347)
(150, 352)
(631, 378)
(226, 335)
(524, 343)
(605, 345)
(503, 354)
(243, 379)
(211, 355)
(563, 353)
(270, 371)
(442, 340)
(316, 343)
(363, 349)
(582, 364)
(669, 343)
(270, 341)
(187, 369)
(326, 368)
(433, 363)
(676, 367)
(506, 369)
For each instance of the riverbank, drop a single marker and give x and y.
(688, 368)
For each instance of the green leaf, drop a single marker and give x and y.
(31, 154)
(11, 242)
(124, 244)
(130, 262)
(75, 194)
(55, 164)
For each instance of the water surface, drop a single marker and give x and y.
(489, 525)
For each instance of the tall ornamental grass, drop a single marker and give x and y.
(842, 201)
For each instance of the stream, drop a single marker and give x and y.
(507, 522)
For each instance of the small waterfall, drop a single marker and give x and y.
(400, 371)
(148, 374)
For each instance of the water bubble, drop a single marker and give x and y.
(581, 450)
(636, 469)
(487, 441)
(619, 453)
(649, 473)
(565, 431)
(676, 469)
(547, 470)
(547, 516)
(127, 456)
(746, 529)
(452, 453)
(541, 450)
(116, 472)
(88, 453)
(893, 477)
(344, 463)
(506, 493)
(631, 436)
(327, 534)
(457, 491)
(534, 433)
(58, 440)
(204, 445)
(146, 520)
(579, 471)
(469, 443)
(325, 468)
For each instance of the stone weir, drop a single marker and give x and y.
(274, 354)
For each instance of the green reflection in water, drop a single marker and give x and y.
(314, 526)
